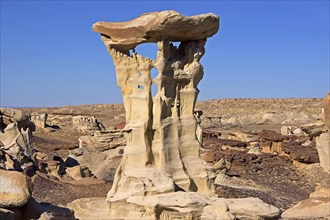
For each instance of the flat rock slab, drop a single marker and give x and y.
(15, 189)
(317, 206)
(176, 205)
(156, 26)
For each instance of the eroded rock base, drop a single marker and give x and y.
(176, 205)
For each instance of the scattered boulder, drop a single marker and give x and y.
(39, 119)
(107, 161)
(287, 130)
(304, 154)
(9, 116)
(15, 190)
(269, 135)
(103, 140)
(314, 129)
(16, 144)
(176, 205)
(323, 148)
(78, 172)
(86, 123)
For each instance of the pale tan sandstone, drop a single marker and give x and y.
(161, 175)
(156, 26)
(161, 130)
(16, 147)
(8, 116)
(318, 203)
(323, 141)
(15, 190)
(326, 103)
(103, 140)
(316, 206)
(175, 205)
(39, 119)
(323, 148)
(78, 172)
(86, 123)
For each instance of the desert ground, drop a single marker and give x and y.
(229, 127)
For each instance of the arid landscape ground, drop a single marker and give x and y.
(230, 128)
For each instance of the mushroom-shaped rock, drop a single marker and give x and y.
(156, 26)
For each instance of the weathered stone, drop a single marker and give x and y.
(107, 161)
(156, 26)
(217, 212)
(17, 144)
(256, 150)
(252, 208)
(287, 130)
(277, 147)
(78, 172)
(175, 205)
(299, 132)
(271, 136)
(91, 208)
(323, 148)
(314, 129)
(39, 119)
(304, 154)
(326, 103)
(103, 140)
(9, 116)
(161, 130)
(86, 123)
(15, 190)
(317, 206)
(161, 175)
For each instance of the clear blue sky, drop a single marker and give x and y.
(264, 49)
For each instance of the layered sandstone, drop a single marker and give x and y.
(157, 26)
(161, 175)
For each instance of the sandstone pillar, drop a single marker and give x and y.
(160, 130)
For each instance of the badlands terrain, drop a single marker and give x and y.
(263, 148)
(230, 126)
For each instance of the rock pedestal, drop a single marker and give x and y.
(161, 175)
(160, 130)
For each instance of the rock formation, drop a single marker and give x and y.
(15, 190)
(323, 141)
(17, 163)
(86, 123)
(161, 175)
(8, 116)
(39, 119)
(16, 152)
(318, 203)
(161, 130)
(156, 26)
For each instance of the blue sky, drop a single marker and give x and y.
(264, 49)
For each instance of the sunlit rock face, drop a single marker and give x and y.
(161, 175)
(160, 130)
(157, 26)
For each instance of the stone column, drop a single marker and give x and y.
(162, 152)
